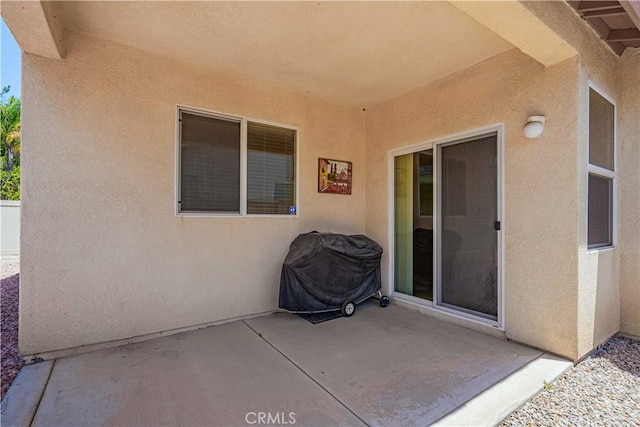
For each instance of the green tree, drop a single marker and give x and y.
(10, 184)
(9, 130)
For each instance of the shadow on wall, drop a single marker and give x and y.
(605, 319)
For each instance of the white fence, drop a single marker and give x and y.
(10, 227)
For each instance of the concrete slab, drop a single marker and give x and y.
(21, 401)
(215, 376)
(496, 403)
(390, 366)
(394, 366)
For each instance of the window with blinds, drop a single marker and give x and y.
(270, 169)
(212, 175)
(209, 164)
(601, 172)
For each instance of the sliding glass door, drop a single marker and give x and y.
(467, 223)
(447, 224)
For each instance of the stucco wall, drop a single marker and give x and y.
(599, 270)
(103, 254)
(540, 201)
(629, 193)
(599, 308)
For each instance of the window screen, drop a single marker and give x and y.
(209, 164)
(600, 208)
(454, 173)
(601, 128)
(270, 169)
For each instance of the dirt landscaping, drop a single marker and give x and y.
(11, 360)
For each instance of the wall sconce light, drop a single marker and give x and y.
(534, 126)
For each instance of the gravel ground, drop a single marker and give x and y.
(602, 390)
(11, 360)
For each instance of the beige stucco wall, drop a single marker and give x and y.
(629, 193)
(600, 272)
(104, 256)
(540, 179)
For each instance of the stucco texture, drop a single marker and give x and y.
(599, 270)
(104, 256)
(609, 281)
(540, 192)
(629, 195)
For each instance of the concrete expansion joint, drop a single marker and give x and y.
(43, 388)
(306, 374)
(22, 401)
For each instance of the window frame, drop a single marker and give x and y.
(603, 172)
(243, 120)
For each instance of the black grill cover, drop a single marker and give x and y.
(322, 270)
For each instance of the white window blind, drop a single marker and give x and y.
(230, 165)
(270, 169)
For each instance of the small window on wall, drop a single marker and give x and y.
(234, 166)
(602, 172)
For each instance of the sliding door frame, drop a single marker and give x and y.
(498, 130)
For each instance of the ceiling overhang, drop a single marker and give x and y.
(512, 21)
(36, 26)
(616, 22)
(355, 53)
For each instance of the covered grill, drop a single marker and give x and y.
(326, 272)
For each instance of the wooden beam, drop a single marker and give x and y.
(633, 10)
(623, 35)
(604, 13)
(601, 28)
(618, 47)
(588, 6)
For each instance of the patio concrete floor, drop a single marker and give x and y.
(389, 366)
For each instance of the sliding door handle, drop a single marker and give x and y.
(496, 225)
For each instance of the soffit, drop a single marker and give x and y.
(616, 22)
(356, 53)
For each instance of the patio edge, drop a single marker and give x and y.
(497, 402)
(21, 402)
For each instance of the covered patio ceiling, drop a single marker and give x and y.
(354, 53)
